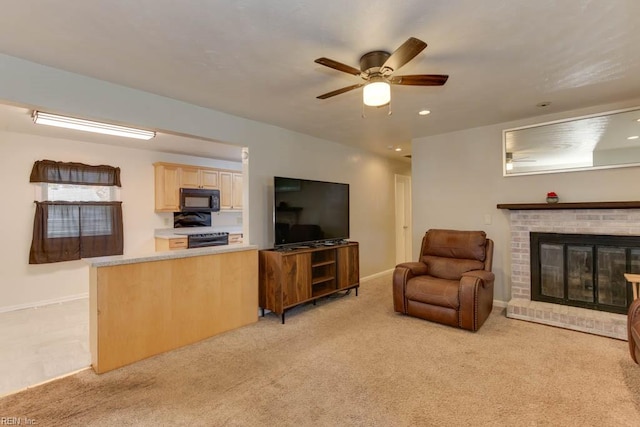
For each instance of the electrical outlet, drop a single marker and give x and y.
(239, 220)
(487, 219)
(167, 222)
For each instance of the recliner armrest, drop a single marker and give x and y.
(416, 268)
(485, 276)
(633, 330)
(476, 298)
(401, 275)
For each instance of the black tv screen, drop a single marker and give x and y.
(309, 211)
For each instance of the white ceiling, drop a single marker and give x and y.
(254, 58)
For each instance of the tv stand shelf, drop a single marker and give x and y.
(290, 278)
(319, 280)
(320, 264)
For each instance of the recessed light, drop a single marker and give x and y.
(398, 149)
(634, 137)
(424, 112)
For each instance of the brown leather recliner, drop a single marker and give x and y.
(633, 328)
(452, 282)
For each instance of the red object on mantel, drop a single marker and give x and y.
(552, 194)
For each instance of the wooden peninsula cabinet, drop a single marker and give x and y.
(288, 278)
(143, 306)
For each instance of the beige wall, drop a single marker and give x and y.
(272, 151)
(457, 181)
(371, 192)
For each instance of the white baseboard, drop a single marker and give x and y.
(376, 275)
(501, 304)
(44, 382)
(43, 303)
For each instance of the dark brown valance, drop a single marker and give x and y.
(74, 173)
(64, 231)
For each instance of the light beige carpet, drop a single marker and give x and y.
(353, 361)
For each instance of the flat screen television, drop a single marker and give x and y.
(309, 212)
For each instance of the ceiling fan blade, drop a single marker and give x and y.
(405, 53)
(338, 66)
(339, 91)
(420, 80)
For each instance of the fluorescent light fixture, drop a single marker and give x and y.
(398, 149)
(424, 112)
(633, 137)
(86, 125)
(376, 93)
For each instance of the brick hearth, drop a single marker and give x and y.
(622, 222)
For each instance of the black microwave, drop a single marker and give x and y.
(199, 200)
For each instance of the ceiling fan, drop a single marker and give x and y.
(377, 68)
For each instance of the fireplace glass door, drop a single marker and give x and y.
(583, 270)
(611, 282)
(580, 269)
(552, 270)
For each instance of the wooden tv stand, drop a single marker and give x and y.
(290, 277)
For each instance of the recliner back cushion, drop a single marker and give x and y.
(450, 268)
(470, 245)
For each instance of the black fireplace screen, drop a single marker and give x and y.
(584, 270)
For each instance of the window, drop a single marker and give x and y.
(79, 216)
(85, 193)
(63, 221)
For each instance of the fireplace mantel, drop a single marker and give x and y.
(573, 205)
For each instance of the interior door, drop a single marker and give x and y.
(403, 219)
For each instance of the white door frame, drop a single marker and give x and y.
(403, 230)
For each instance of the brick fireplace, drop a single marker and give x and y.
(607, 218)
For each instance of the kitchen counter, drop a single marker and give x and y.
(167, 255)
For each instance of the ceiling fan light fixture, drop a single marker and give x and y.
(376, 93)
(377, 70)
